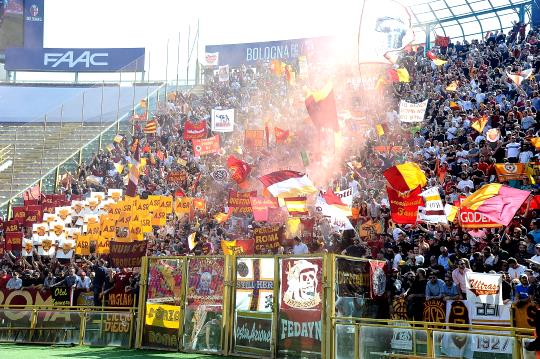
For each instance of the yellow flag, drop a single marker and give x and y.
(479, 123)
(453, 86)
(439, 62)
(228, 247)
(191, 241)
(403, 75)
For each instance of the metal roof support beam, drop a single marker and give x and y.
(428, 38)
(522, 13)
(478, 13)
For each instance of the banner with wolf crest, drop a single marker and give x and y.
(300, 318)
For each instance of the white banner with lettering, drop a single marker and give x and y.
(484, 288)
(223, 120)
(412, 112)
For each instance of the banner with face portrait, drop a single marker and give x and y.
(300, 306)
(205, 283)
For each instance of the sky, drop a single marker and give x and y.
(150, 24)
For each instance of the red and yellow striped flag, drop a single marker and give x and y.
(151, 127)
(297, 206)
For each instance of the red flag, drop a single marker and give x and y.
(321, 106)
(281, 135)
(442, 41)
(404, 205)
(239, 169)
(194, 130)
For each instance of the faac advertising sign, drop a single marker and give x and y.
(75, 60)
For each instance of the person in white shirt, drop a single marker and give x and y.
(515, 270)
(299, 247)
(526, 155)
(512, 150)
(536, 258)
(14, 282)
(464, 182)
(83, 281)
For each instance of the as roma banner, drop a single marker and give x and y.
(205, 283)
(267, 238)
(404, 205)
(484, 288)
(205, 146)
(223, 120)
(194, 130)
(412, 112)
(300, 308)
(128, 254)
(510, 171)
(13, 242)
(352, 278)
(240, 202)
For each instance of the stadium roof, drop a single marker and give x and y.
(466, 19)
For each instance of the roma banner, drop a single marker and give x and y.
(182, 205)
(412, 112)
(267, 238)
(434, 311)
(404, 205)
(223, 120)
(240, 202)
(194, 130)
(300, 308)
(472, 219)
(129, 254)
(162, 315)
(484, 288)
(259, 206)
(205, 283)
(254, 139)
(352, 278)
(165, 281)
(254, 284)
(13, 242)
(525, 315)
(205, 146)
(62, 296)
(510, 171)
(19, 215)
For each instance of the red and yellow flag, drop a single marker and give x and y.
(405, 177)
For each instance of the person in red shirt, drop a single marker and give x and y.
(4, 278)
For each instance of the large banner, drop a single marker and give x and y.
(125, 255)
(288, 51)
(254, 284)
(223, 120)
(253, 333)
(412, 112)
(164, 281)
(352, 278)
(300, 308)
(510, 171)
(162, 315)
(484, 288)
(205, 283)
(260, 206)
(75, 60)
(267, 238)
(240, 202)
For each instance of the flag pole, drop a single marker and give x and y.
(187, 65)
(177, 61)
(166, 69)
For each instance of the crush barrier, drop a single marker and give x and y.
(81, 325)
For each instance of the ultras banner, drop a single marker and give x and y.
(205, 283)
(300, 319)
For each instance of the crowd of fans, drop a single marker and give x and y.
(424, 261)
